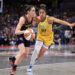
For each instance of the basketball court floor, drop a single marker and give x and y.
(47, 65)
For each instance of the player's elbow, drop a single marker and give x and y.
(16, 32)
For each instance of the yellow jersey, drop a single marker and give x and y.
(45, 32)
(44, 28)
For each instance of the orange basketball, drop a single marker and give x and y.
(29, 34)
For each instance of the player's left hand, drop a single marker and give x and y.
(72, 25)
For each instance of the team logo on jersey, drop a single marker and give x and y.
(28, 25)
(43, 26)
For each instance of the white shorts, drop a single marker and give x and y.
(40, 43)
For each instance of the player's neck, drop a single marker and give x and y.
(29, 18)
(42, 20)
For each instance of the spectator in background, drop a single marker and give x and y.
(67, 36)
(57, 39)
(72, 39)
(1, 38)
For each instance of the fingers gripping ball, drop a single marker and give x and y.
(29, 34)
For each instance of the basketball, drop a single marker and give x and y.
(29, 34)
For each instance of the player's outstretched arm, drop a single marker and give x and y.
(62, 22)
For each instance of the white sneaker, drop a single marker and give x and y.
(30, 69)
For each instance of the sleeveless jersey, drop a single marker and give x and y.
(44, 28)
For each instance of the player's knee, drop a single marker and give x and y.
(26, 55)
(23, 54)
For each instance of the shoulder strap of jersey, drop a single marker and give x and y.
(26, 20)
(46, 18)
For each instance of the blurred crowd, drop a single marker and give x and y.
(10, 16)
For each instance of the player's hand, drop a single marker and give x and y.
(24, 31)
(71, 25)
(36, 19)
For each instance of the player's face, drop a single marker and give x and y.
(42, 14)
(32, 12)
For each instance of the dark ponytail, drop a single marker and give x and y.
(43, 8)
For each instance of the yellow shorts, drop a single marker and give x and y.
(47, 40)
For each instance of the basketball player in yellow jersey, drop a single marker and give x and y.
(44, 35)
